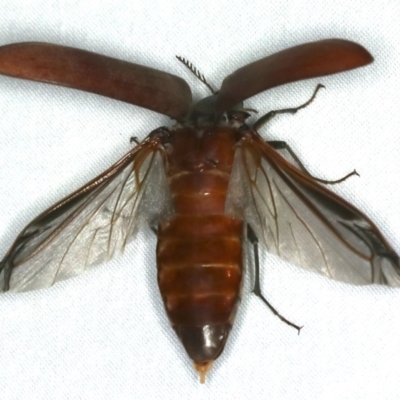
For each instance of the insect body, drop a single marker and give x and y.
(199, 252)
(203, 183)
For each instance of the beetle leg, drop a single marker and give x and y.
(268, 116)
(257, 290)
(134, 139)
(281, 145)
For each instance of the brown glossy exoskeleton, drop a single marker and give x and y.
(205, 184)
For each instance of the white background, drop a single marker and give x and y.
(104, 335)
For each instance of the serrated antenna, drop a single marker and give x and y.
(195, 72)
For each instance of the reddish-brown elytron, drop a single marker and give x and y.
(205, 185)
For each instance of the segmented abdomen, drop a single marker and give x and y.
(199, 274)
(199, 251)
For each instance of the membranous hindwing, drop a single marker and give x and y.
(301, 221)
(92, 225)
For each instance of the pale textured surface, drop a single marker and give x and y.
(104, 335)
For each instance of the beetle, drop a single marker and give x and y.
(205, 185)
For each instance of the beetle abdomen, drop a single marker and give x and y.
(199, 274)
(199, 250)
